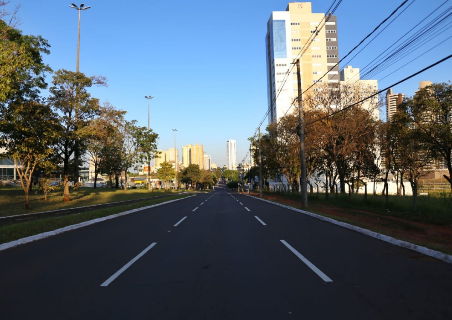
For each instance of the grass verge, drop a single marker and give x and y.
(21, 230)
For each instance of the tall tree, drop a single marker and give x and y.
(71, 99)
(431, 110)
(22, 68)
(166, 173)
(147, 148)
(28, 132)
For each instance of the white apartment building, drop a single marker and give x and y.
(231, 150)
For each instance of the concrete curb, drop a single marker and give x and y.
(404, 244)
(44, 235)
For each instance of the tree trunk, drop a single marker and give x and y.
(413, 183)
(66, 196)
(27, 201)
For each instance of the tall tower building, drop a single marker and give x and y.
(289, 33)
(231, 149)
(393, 100)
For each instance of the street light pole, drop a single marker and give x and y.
(149, 120)
(175, 156)
(82, 7)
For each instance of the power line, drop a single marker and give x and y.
(372, 95)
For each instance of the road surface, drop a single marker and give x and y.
(220, 256)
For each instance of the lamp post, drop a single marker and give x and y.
(175, 156)
(82, 7)
(149, 120)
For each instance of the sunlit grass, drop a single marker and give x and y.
(29, 228)
(12, 199)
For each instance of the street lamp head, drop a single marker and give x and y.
(174, 129)
(150, 97)
(86, 8)
(73, 6)
(82, 5)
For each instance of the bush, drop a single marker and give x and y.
(232, 184)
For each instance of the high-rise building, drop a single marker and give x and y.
(207, 160)
(393, 101)
(193, 154)
(231, 149)
(351, 76)
(289, 33)
(166, 156)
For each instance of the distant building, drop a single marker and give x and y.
(231, 150)
(193, 154)
(207, 165)
(350, 75)
(166, 156)
(393, 101)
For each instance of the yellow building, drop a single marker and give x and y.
(166, 156)
(193, 154)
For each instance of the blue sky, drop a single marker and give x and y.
(204, 61)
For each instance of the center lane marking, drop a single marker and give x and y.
(307, 262)
(180, 221)
(260, 220)
(118, 273)
(247, 209)
(195, 209)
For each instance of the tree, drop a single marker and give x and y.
(431, 111)
(414, 155)
(100, 133)
(22, 68)
(208, 179)
(191, 175)
(231, 175)
(70, 98)
(147, 148)
(166, 173)
(28, 132)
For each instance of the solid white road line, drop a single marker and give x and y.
(247, 209)
(195, 209)
(201, 203)
(113, 277)
(180, 221)
(241, 203)
(260, 220)
(307, 262)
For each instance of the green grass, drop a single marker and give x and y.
(24, 229)
(12, 199)
(430, 209)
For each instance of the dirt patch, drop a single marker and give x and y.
(428, 235)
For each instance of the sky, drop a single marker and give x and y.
(204, 61)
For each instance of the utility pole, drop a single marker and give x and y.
(303, 182)
(149, 121)
(175, 156)
(260, 165)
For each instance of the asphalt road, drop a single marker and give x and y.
(220, 256)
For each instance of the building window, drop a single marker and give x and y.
(316, 72)
(331, 55)
(296, 39)
(315, 48)
(331, 23)
(330, 39)
(316, 39)
(331, 48)
(296, 48)
(316, 55)
(330, 31)
(281, 65)
(294, 23)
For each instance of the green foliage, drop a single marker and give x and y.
(191, 175)
(232, 184)
(231, 175)
(166, 173)
(22, 68)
